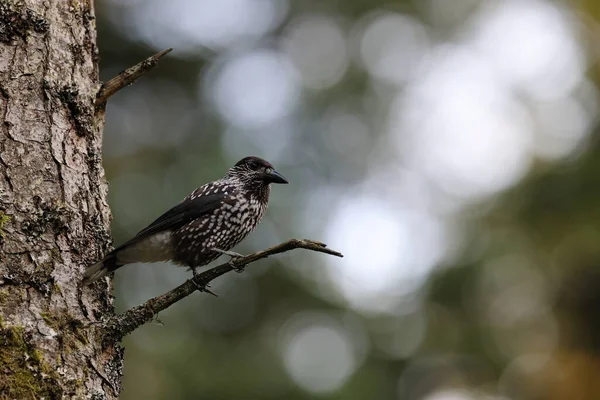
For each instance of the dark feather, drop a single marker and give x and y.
(179, 215)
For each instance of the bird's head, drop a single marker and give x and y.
(256, 171)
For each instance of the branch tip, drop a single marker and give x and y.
(128, 76)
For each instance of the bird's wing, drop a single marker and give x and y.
(186, 211)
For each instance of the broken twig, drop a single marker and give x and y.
(127, 77)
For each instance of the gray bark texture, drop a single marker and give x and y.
(54, 219)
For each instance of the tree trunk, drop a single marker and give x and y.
(54, 218)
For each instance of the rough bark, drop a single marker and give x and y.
(54, 218)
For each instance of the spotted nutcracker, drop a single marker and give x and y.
(207, 223)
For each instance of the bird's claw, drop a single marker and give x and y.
(156, 320)
(204, 288)
(201, 288)
(237, 268)
(234, 256)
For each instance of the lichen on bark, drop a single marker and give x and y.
(54, 219)
(4, 219)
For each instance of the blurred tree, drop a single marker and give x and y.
(54, 218)
(516, 108)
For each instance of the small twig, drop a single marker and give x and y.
(127, 77)
(125, 323)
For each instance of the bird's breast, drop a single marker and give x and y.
(223, 229)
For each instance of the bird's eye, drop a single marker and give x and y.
(268, 170)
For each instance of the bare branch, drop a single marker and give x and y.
(127, 77)
(127, 322)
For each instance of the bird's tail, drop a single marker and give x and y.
(100, 269)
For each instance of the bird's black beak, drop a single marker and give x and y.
(275, 177)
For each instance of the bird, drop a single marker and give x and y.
(206, 224)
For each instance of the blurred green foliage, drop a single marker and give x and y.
(512, 312)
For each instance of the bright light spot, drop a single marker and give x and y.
(318, 354)
(459, 127)
(415, 380)
(532, 43)
(254, 89)
(388, 251)
(451, 394)
(317, 47)
(190, 24)
(392, 45)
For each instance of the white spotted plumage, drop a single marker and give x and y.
(217, 215)
(225, 227)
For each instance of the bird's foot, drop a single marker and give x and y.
(204, 288)
(200, 287)
(234, 256)
(156, 320)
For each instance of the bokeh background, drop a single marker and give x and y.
(449, 148)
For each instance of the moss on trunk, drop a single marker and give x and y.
(23, 372)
